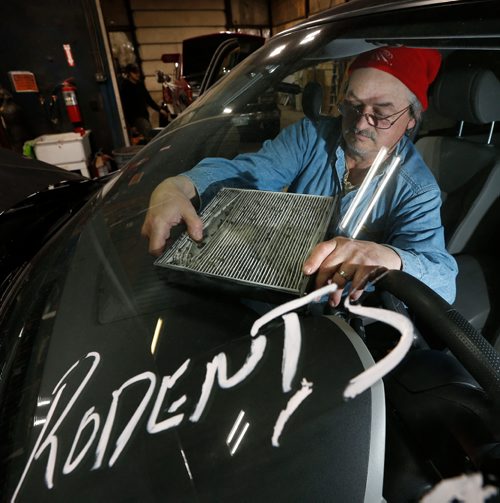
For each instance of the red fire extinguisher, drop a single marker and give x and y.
(70, 100)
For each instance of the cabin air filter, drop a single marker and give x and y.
(253, 239)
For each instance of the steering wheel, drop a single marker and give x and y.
(475, 353)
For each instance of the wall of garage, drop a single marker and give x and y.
(160, 26)
(33, 35)
(286, 13)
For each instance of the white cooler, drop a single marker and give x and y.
(70, 151)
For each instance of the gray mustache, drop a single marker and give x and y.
(362, 132)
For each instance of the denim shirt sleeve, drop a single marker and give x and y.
(274, 167)
(423, 253)
(416, 234)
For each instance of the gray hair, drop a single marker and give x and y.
(416, 110)
(416, 107)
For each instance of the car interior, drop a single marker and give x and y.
(457, 140)
(467, 168)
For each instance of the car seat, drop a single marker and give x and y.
(312, 100)
(468, 173)
(467, 170)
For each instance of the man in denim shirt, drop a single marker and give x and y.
(386, 93)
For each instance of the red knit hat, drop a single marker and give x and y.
(415, 68)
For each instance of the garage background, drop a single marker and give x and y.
(102, 36)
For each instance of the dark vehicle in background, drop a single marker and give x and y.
(119, 383)
(208, 57)
(204, 60)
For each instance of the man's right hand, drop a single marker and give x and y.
(170, 204)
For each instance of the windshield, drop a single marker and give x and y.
(95, 289)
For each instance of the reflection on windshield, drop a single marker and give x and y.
(103, 309)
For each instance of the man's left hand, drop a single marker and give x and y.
(341, 260)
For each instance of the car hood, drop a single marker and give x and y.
(21, 177)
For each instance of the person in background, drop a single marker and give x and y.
(135, 101)
(386, 94)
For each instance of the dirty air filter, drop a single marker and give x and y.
(254, 241)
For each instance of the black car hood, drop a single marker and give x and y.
(20, 178)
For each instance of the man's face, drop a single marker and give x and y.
(135, 76)
(374, 92)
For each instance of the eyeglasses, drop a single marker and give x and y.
(348, 111)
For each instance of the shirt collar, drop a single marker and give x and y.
(401, 149)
